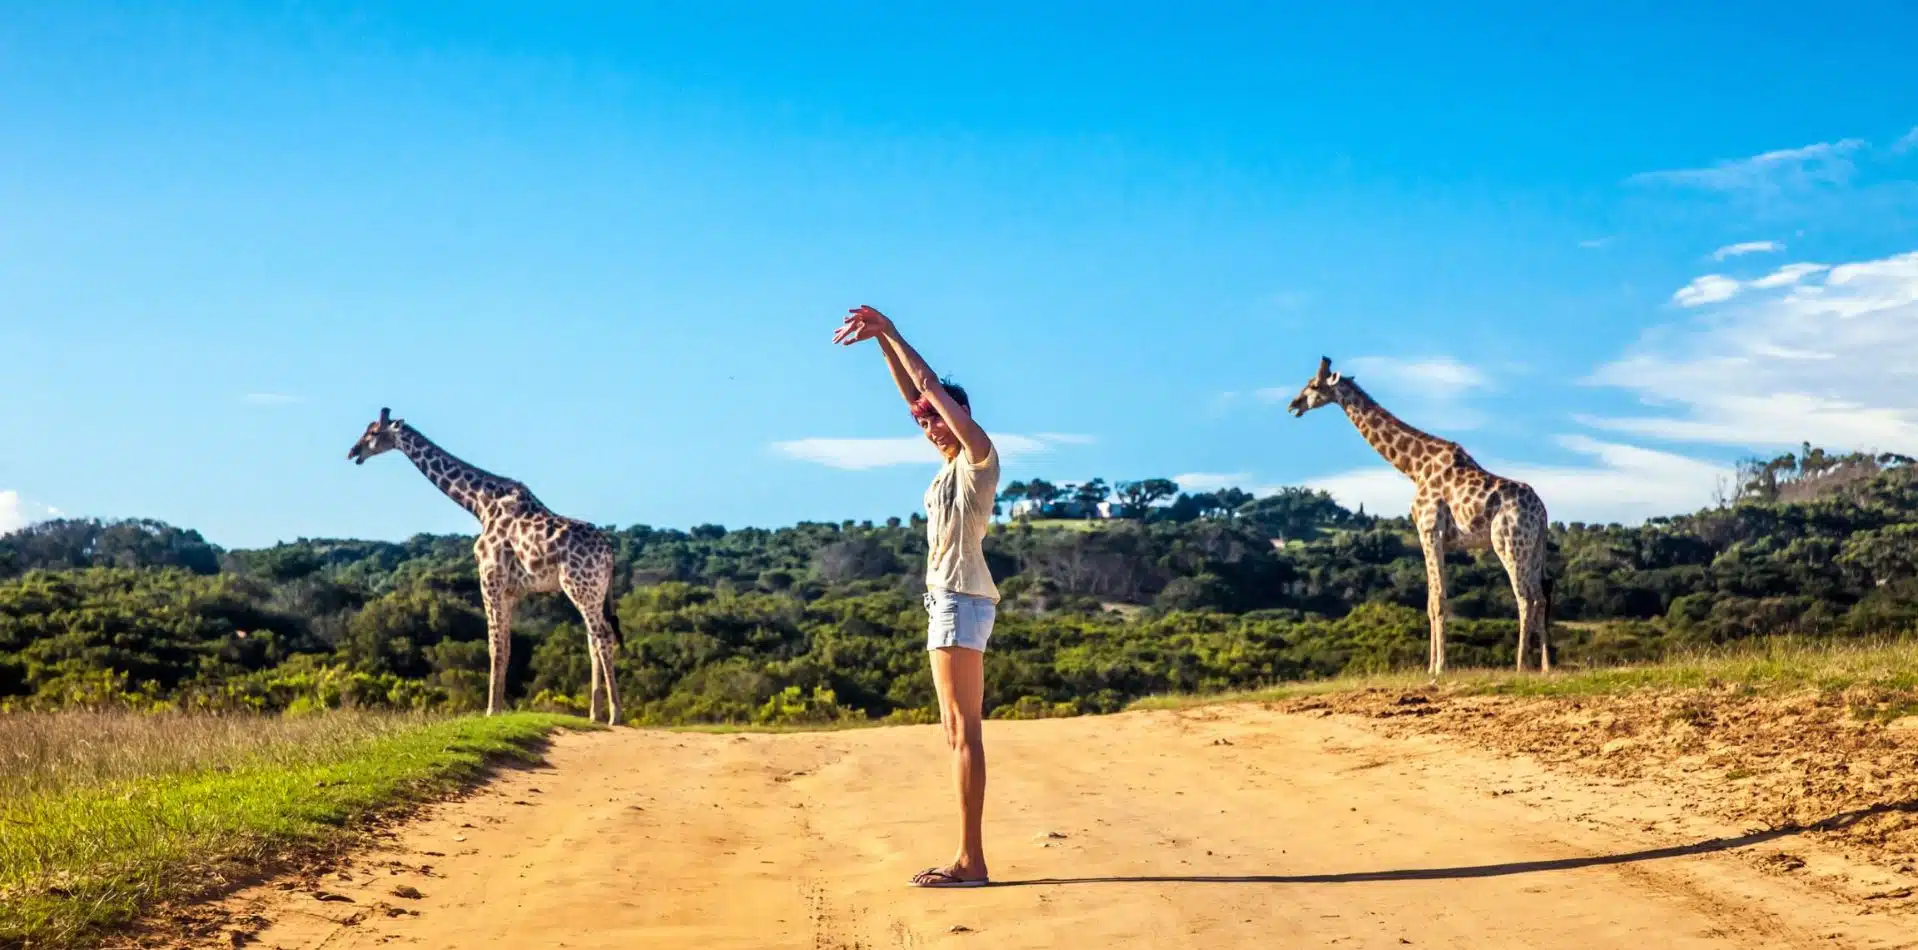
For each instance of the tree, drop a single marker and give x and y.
(1011, 495)
(1042, 493)
(854, 559)
(1230, 500)
(1295, 513)
(1137, 497)
(1090, 494)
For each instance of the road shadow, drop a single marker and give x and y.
(1708, 846)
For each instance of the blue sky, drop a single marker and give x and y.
(602, 248)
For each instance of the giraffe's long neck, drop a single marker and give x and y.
(1394, 440)
(471, 487)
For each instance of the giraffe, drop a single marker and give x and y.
(523, 548)
(1456, 503)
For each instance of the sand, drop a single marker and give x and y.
(1223, 827)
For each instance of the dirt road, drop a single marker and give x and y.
(1220, 828)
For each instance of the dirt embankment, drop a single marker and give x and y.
(1831, 763)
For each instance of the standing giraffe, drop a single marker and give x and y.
(523, 548)
(1455, 503)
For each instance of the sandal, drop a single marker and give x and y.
(936, 877)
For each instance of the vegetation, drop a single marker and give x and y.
(1880, 674)
(106, 813)
(821, 623)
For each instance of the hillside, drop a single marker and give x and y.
(821, 622)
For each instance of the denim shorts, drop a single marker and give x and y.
(958, 620)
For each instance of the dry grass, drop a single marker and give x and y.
(48, 753)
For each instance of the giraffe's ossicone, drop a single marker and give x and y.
(1456, 504)
(523, 548)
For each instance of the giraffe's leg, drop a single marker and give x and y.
(588, 595)
(603, 642)
(598, 692)
(500, 601)
(1523, 560)
(1432, 539)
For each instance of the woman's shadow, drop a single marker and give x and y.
(1708, 846)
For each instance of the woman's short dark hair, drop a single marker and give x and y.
(923, 407)
(957, 392)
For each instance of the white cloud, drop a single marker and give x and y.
(1906, 143)
(1770, 173)
(1787, 275)
(1717, 288)
(1711, 288)
(1379, 489)
(1595, 243)
(1211, 481)
(1747, 247)
(1814, 353)
(1438, 385)
(1439, 377)
(1624, 483)
(17, 512)
(862, 454)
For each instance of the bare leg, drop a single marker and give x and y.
(959, 674)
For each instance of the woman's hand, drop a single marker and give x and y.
(862, 323)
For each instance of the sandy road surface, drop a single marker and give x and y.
(1220, 828)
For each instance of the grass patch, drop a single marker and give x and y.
(1768, 666)
(104, 815)
(1068, 524)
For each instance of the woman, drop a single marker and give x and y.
(961, 599)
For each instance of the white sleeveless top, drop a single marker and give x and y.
(958, 512)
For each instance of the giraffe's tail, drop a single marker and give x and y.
(612, 620)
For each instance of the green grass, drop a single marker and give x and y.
(104, 815)
(1067, 524)
(1770, 666)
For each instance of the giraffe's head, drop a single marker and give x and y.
(383, 434)
(1322, 389)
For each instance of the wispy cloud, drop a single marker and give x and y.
(1809, 166)
(1221, 403)
(1787, 275)
(1439, 384)
(1622, 483)
(1809, 353)
(269, 399)
(1437, 376)
(1746, 247)
(17, 512)
(1711, 288)
(1717, 288)
(1211, 481)
(862, 454)
(1906, 143)
(1594, 244)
